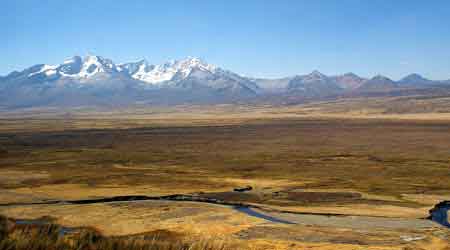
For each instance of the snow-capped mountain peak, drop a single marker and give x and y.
(190, 63)
(93, 65)
(71, 66)
(156, 74)
(132, 67)
(77, 67)
(90, 65)
(46, 69)
(94, 79)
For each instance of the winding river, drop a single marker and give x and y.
(439, 214)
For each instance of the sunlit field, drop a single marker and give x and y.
(352, 183)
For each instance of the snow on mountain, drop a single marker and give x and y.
(189, 74)
(87, 67)
(76, 67)
(156, 74)
(46, 69)
(133, 67)
(193, 70)
(71, 66)
(94, 79)
(91, 66)
(100, 80)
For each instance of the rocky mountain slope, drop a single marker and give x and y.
(95, 80)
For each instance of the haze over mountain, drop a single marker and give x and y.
(348, 80)
(95, 80)
(377, 83)
(415, 80)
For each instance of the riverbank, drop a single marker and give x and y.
(273, 215)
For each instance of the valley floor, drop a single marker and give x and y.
(362, 181)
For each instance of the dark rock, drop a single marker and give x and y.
(243, 189)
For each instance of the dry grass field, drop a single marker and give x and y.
(297, 159)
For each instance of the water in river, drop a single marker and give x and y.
(252, 212)
(439, 213)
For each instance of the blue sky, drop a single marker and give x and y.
(254, 38)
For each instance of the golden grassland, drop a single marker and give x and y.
(422, 108)
(320, 158)
(14, 236)
(48, 235)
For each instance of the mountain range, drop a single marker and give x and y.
(95, 80)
